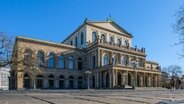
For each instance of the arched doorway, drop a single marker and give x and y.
(119, 79)
(146, 81)
(138, 80)
(71, 82)
(107, 80)
(93, 81)
(51, 81)
(61, 82)
(27, 81)
(154, 81)
(80, 82)
(129, 79)
(39, 81)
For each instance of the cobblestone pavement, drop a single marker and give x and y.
(90, 96)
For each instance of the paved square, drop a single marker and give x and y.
(90, 96)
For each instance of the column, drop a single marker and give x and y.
(111, 53)
(113, 78)
(97, 79)
(100, 82)
(56, 82)
(116, 77)
(135, 76)
(126, 78)
(45, 82)
(20, 80)
(144, 79)
(99, 57)
(110, 79)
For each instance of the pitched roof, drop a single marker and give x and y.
(110, 25)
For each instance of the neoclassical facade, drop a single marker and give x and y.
(102, 48)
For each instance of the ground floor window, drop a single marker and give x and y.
(39, 83)
(71, 84)
(61, 84)
(51, 83)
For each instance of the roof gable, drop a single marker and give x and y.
(110, 25)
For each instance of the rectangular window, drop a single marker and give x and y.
(76, 41)
(71, 42)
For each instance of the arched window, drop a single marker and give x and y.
(79, 63)
(119, 42)
(103, 38)
(40, 58)
(61, 77)
(51, 81)
(93, 62)
(51, 61)
(123, 60)
(70, 62)
(111, 40)
(61, 62)
(126, 43)
(27, 55)
(82, 38)
(94, 34)
(114, 60)
(105, 60)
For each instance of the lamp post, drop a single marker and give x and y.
(88, 74)
(134, 64)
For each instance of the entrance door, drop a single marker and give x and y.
(61, 84)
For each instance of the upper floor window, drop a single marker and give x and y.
(27, 55)
(51, 60)
(71, 42)
(114, 60)
(119, 41)
(103, 38)
(111, 39)
(79, 63)
(82, 38)
(126, 43)
(105, 60)
(123, 60)
(61, 62)
(76, 41)
(40, 58)
(70, 62)
(94, 34)
(93, 62)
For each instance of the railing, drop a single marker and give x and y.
(115, 45)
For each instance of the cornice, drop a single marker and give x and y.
(109, 30)
(45, 43)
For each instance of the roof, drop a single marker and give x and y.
(152, 62)
(43, 42)
(110, 25)
(107, 25)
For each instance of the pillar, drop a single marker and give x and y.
(100, 79)
(20, 81)
(110, 79)
(97, 79)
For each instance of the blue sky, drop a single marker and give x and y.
(150, 21)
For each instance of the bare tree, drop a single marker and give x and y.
(6, 45)
(174, 72)
(28, 62)
(179, 28)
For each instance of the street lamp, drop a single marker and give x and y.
(134, 64)
(88, 73)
